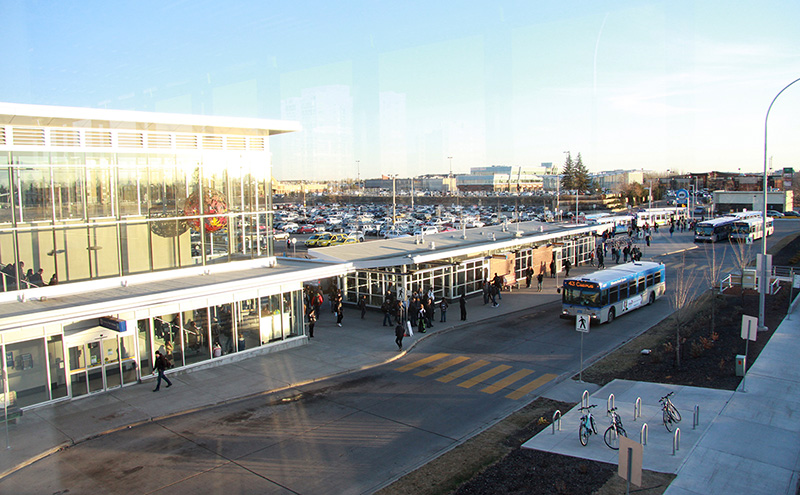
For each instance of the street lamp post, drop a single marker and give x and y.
(762, 287)
(358, 174)
(450, 177)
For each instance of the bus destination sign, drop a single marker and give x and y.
(581, 284)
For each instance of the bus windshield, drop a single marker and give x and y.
(704, 230)
(741, 228)
(582, 297)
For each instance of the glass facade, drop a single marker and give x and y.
(73, 215)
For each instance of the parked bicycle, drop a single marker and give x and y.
(613, 432)
(670, 413)
(587, 427)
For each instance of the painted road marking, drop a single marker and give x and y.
(462, 371)
(525, 389)
(505, 382)
(422, 362)
(484, 376)
(443, 366)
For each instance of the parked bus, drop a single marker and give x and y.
(751, 228)
(617, 224)
(606, 294)
(659, 216)
(716, 229)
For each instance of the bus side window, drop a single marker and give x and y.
(650, 280)
(604, 297)
(613, 294)
(658, 277)
(640, 289)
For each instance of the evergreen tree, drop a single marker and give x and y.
(580, 175)
(568, 179)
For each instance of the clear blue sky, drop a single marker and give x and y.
(396, 87)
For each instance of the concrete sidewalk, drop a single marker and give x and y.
(359, 344)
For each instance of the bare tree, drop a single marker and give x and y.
(713, 275)
(682, 295)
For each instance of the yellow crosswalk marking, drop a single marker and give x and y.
(443, 366)
(505, 382)
(422, 362)
(462, 371)
(525, 389)
(484, 376)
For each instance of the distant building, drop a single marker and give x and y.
(727, 201)
(504, 178)
(616, 180)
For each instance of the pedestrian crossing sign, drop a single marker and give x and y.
(582, 323)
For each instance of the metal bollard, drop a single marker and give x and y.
(676, 441)
(585, 399)
(696, 419)
(609, 404)
(637, 408)
(643, 434)
(556, 417)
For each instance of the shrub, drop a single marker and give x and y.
(696, 349)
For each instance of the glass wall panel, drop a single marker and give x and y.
(145, 363)
(102, 251)
(99, 169)
(195, 335)
(33, 195)
(271, 319)
(72, 254)
(247, 324)
(6, 206)
(111, 362)
(167, 337)
(222, 328)
(77, 367)
(292, 309)
(132, 173)
(134, 239)
(127, 353)
(68, 187)
(58, 373)
(28, 373)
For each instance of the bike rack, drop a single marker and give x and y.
(556, 418)
(676, 441)
(585, 399)
(637, 408)
(609, 404)
(643, 434)
(696, 418)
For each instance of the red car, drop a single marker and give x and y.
(306, 229)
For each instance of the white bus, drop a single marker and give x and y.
(617, 224)
(716, 229)
(606, 294)
(659, 216)
(751, 228)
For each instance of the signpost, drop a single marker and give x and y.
(582, 326)
(749, 331)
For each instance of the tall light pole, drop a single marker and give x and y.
(394, 176)
(763, 285)
(450, 177)
(358, 174)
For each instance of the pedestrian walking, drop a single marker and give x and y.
(528, 277)
(386, 307)
(443, 309)
(399, 333)
(362, 305)
(421, 319)
(567, 266)
(539, 280)
(462, 302)
(338, 309)
(161, 364)
(312, 320)
(553, 269)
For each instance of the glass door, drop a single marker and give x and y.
(102, 365)
(94, 368)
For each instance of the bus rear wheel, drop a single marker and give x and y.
(611, 315)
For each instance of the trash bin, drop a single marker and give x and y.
(741, 364)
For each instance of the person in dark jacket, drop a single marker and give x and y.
(362, 305)
(462, 302)
(161, 364)
(399, 333)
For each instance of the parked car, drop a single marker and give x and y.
(317, 239)
(774, 214)
(279, 235)
(307, 229)
(340, 239)
(791, 214)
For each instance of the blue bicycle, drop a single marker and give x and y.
(587, 427)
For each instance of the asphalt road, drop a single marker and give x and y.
(350, 434)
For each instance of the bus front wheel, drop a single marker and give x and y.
(611, 314)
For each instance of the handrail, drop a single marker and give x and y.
(696, 416)
(609, 404)
(585, 399)
(556, 418)
(726, 281)
(637, 408)
(643, 434)
(676, 441)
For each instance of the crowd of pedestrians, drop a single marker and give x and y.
(15, 277)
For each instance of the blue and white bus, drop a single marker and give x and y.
(659, 216)
(606, 294)
(751, 228)
(716, 229)
(617, 224)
